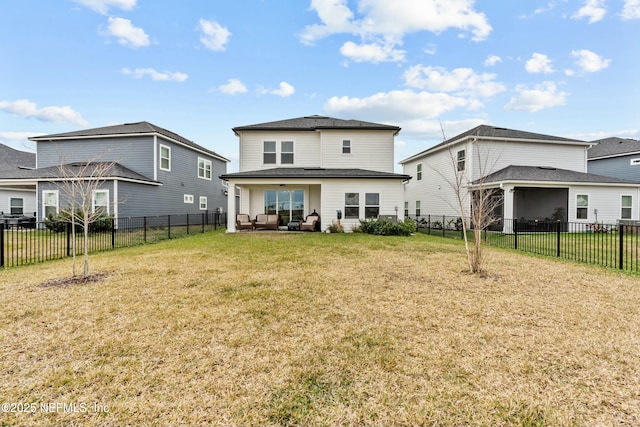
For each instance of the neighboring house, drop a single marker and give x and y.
(153, 171)
(317, 164)
(617, 157)
(17, 195)
(537, 177)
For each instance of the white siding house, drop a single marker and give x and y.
(538, 177)
(317, 164)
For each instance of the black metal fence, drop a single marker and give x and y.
(38, 242)
(608, 245)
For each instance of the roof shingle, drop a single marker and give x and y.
(311, 123)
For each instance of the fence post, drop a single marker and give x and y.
(515, 233)
(188, 223)
(169, 225)
(144, 223)
(621, 232)
(443, 225)
(558, 240)
(1, 244)
(113, 232)
(69, 239)
(204, 216)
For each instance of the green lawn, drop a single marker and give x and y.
(319, 329)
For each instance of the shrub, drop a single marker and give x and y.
(335, 228)
(386, 227)
(58, 223)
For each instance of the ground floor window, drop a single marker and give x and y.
(101, 202)
(203, 203)
(289, 204)
(351, 205)
(406, 209)
(627, 207)
(582, 206)
(371, 205)
(418, 208)
(50, 203)
(16, 206)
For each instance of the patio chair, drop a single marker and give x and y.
(311, 222)
(244, 222)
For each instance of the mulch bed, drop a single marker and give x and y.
(73, 280)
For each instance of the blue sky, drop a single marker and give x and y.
(199, 68)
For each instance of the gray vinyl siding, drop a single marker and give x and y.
(618, 167)
(135, 153)
(63, 198)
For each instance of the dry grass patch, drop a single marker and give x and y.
(316, 329)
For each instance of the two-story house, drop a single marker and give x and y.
(153, 171)
(617, 157)
(537, 177)
(331, 166)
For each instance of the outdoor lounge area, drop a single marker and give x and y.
(274, 222)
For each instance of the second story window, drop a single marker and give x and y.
(269, 153)
(286, 153)
(204, 168)
(419, 172)
(461, 159)
(346, 146)
(165, 157)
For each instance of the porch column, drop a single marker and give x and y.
(507, 211)
(231, 208)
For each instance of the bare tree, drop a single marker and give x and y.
(78, 185)
(476, 202)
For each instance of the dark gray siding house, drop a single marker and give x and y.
(616, 157)
(153, 171)
(17, 195)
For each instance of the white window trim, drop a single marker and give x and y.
(11, 207)
(419, 172)
(93, 201)
(587, 207)
(206, 162)
(463, 161)
(626, 207)
(635, 162)
(44, 200)
(275, 153)
(188, 198)
(348, 145)
(292, 152)
(161, 158)
(201, 204)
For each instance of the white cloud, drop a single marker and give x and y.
(233, 87)
(539, 63)
(371, 52)
(396, 105)
(631, 10)
(102, 6)
(126, 33)
(593, 9)
(589, 62)
(492, 60)
(284, 90)
(28, 109)
(390, 21)
(460, 81)
(214, 36)
(544, 95)
(157, 76)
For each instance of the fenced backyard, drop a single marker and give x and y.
(609, 245)
(43, 242)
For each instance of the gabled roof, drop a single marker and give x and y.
(499, 134)
(14, 162)
(313, 123)
(314, 173)
(127, 129)
(549, 174)
(613, 147)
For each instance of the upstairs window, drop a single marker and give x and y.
(346, 146)
(286, 152)
(165, 157)
(460, 160)
(582, 206)
(419, 171)
(352, 205)
(269, 153)
(16, 206)
(371, 205)
(204, 168)
(627, 207)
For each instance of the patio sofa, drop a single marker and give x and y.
(264, 221)
(244, 222)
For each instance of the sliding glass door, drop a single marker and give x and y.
(289, 204)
